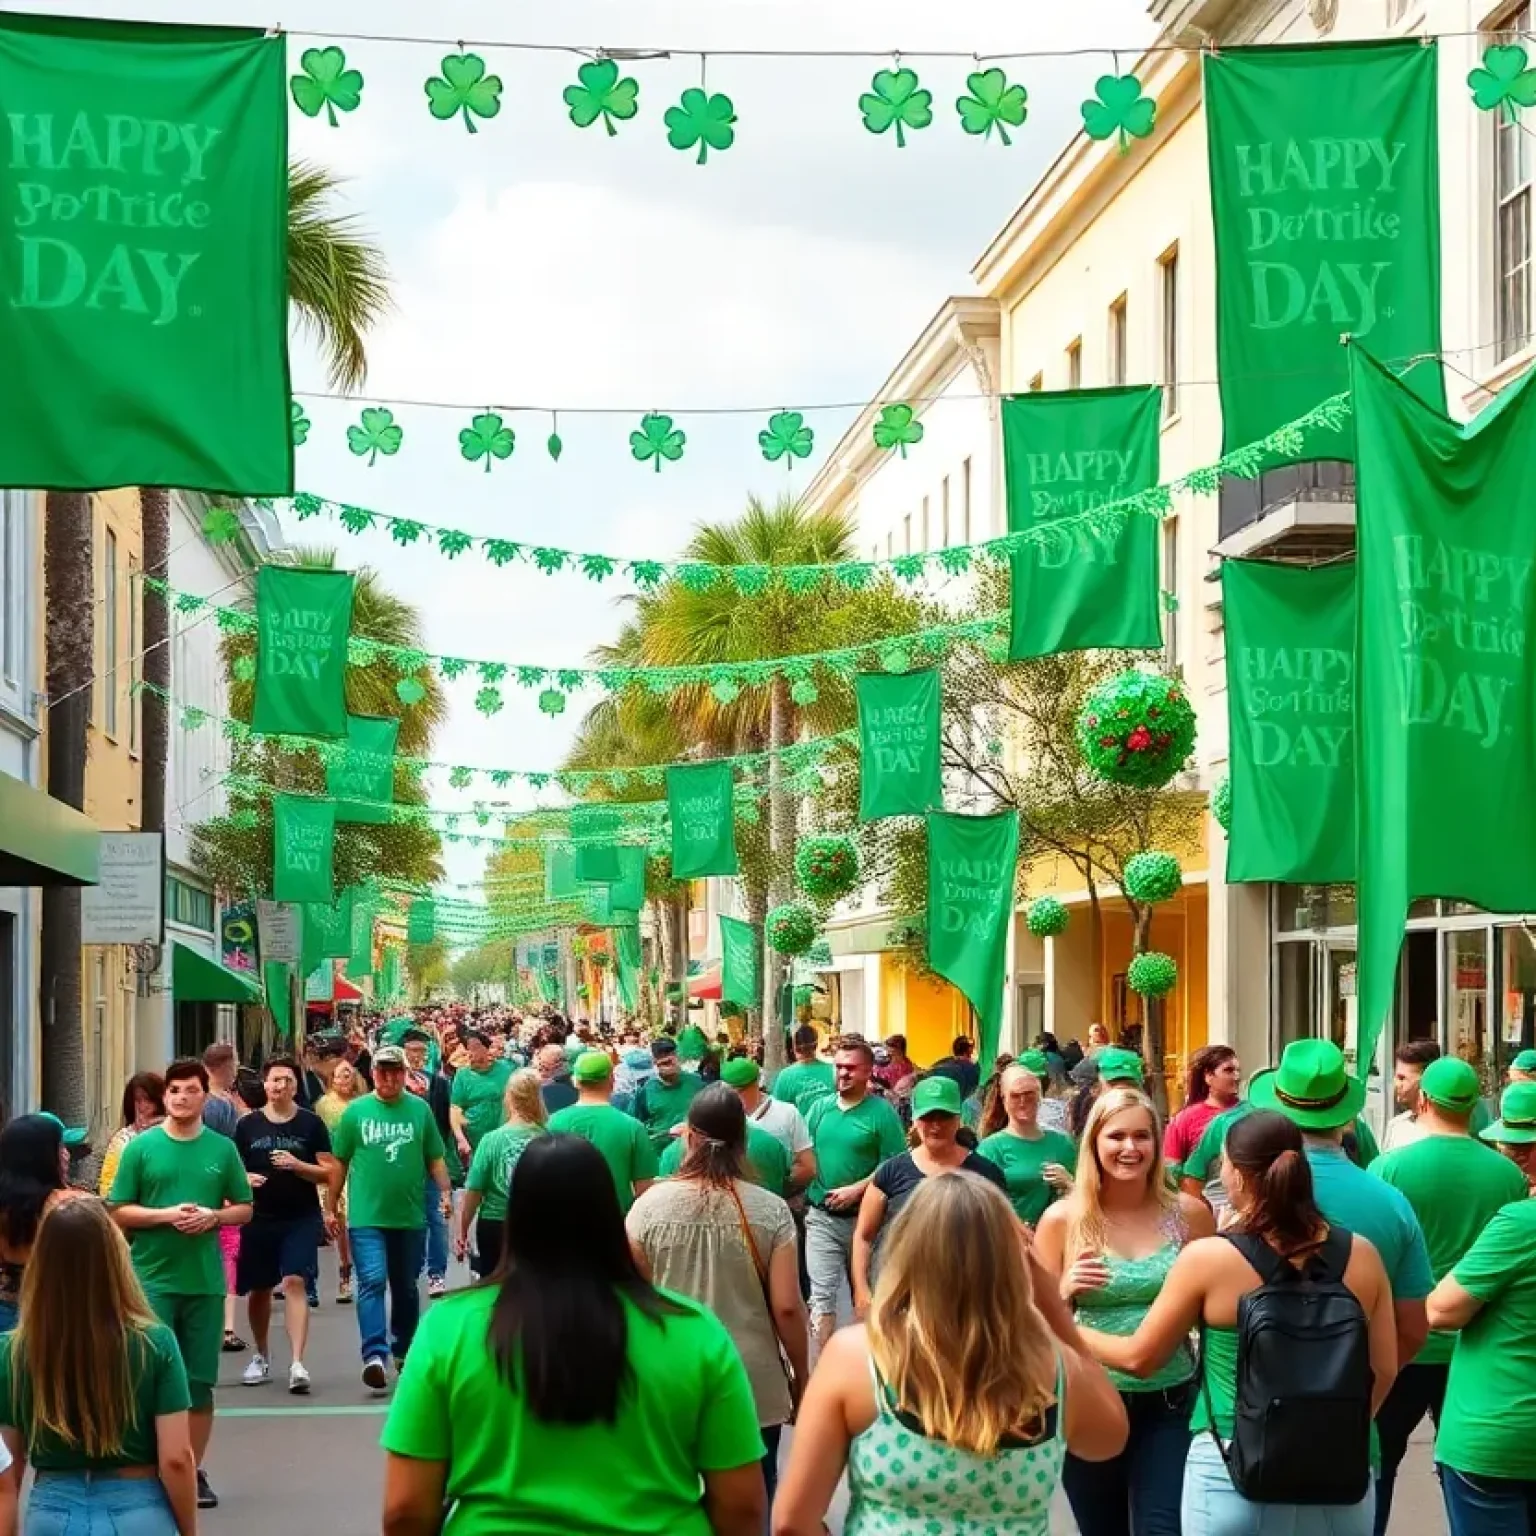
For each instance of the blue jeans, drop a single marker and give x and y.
(78, 1504)
(1487, 1506)
(1213, 1507)
(435, 1264)
(1136, 1494)
(387, 1256)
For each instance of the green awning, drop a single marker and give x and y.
(42, 840)
(197, 979)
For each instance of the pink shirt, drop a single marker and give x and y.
(1186, 1128)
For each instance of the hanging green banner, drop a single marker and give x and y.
(363, 783)
(421, 921)
(303, 620)
(390, 983)
(1090, 583)
(629, 965)
(1290, 641)
(327, 930)
(145, 182)
(700, 802)
(899, 719)
(627, 893)
(741, 954)
(303, 842)
(1446, 713)
(275, 976)
(971, 864)
(560, 882)
(593, 829)
(1325, 194)
(360, 955)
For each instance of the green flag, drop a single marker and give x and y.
(700, 801)
(303, 619)
(627, 893)
(303, 839)
(362, 783)
(971, 863)
(1290, 641)
(1446, 705)
(421, 921)
(628, 969)
(390, 985)
(327, 930)
(741, 951)
(360, 956)
(275, 979)
(1089, 584)
(1326, 201)
(560, 881)
(145, 183)
(899, 718)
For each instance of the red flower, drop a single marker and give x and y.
(1139, 740)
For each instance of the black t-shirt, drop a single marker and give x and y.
(897, 1177)
(285, 1196)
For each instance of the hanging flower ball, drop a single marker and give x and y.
(1221, 805)
(1152, 974)
(827, 867)
(1151, 877)
(1137, 729)
(1046, 917)
(791, 929)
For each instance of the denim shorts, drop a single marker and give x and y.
(1213, 1507)
(80, 1504)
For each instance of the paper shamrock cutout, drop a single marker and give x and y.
(244, 669)
(486, 438)
(552, 702)
(410, 690)
(377, 434)
(726, 691)
(555, 446)
(488, 701)
(220, 525)
(804, 691)
(897, 427)
(895, 100)
(993, 103)
(657, 440)
(1120, 108)
(787, 438)
(701, 119)
(1503, 83)
(326, 84)
(464, 88)
(298, 424)
(602, 94)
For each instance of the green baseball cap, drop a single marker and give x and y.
(1034, 1061)
(936, 1096)
(1524, 1062)
(740, 1072)
(1117, 1065)
(1516, 1124)
(1310, 1087)
(73, 1135)
(592, 1067)
(1451, 1083)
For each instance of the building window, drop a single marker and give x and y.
(924, 528)
(1037, 383)
(1117, 341)
(965, 502)
(1168, 271)
(944, 509)
(1171, 587)
(1513, 165)
(109, 680)
(135, 662)
(188, 906)
(1075, 364)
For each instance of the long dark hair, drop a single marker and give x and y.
(1267, 1149)
(719, 1156)
(152, 1086)
(1206, 1059)
(559, 1330)
(29, 1173)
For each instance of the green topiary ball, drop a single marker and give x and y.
(1152, 877)
(791, 928)
(1137, 729)
(1152, 974)
(1221, 805)
(827, 867)
(1046, 917)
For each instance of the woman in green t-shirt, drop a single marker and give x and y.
(568, 1391)
(92, 1389)
(490, 1172)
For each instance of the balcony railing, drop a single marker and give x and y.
(1245, 501)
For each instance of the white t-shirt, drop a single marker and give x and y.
(784, 1123)
(1402, 1131)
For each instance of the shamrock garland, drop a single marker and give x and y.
(787, 437)
(703, 120)
(486, 437)
(992, 103)
(377, 433)
(464, 90)
(897, 427)
(298, 424)
(1119, 108)
(656, 440)
(896, 100)
(602, 96)
(1503, 83)
(326, 84)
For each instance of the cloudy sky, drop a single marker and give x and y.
(536, 263)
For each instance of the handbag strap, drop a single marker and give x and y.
(750, 1241)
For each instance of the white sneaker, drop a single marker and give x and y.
(298, 1378)
(258, 1372)
(375, 1376)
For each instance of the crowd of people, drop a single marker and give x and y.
(1226, 1321)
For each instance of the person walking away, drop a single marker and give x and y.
(717, 1236)
(93, 1392)
(661, 1105)
(34, 1178)
(287, 1156)
(483, 1209)
(436, 1089)
(963, 1412)
(621, 1139)
(178, 1184)
(1210, 1089)
(554, 1077)
(764, 1163)
(478, 1086)
(807, 1077)
(852, 1131)
(1514, 1132)
(960, 1065)
(1318, 1446)
(1410, 1061)
(569, 1391)
(1037, 1164)
(345, 1085)
(776, 1118)
(143, 1106)
(386, 1148)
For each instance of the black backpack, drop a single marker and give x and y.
(1302, 1425)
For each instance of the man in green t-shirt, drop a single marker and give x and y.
(176, 1185)
(621, 1139)
(807, 1077)
(478, 1086)
(387, 1146)
(661, 1104)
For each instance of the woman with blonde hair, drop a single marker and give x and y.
(93, 1391)
(490, 1172)
(347, 1083)
(1109, 1245)
(961, 1393)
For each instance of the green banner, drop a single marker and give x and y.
(360, 955)
(741, 955)
(899, 719)
(1290, 640)
(628, 970)
(303, 619)
(971, 864)
(303, 841)
(421, 921)
(390, 982)
(560, 881)
(327, 930)
(1088, 584)
(700, 801)
(627, 893)
(275, 976)
(1325, 193)
(363, 784)
(145, 182)
(1446, 709)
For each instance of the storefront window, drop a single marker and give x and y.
(1516, 1001)
(1467, 1032)
(1297, 992)
(1307, 908)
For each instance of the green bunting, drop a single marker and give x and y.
(900, 716)
(303, 840)
(560, 883)
(327, 930)
(627, 893)
(421, 921)
(303, 620)
(741, 951)
(700, 802)
(628, 971)
(362, 782)
(597, 855)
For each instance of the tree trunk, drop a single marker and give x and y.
(757, 910)
(70, 654)
(781, 841)
(1154, 1012)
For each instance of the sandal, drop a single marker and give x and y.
(233, 1343)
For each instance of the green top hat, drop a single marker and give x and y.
(1516, 1124)
(1310, 1086)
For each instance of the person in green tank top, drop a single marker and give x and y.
(807, 1077)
